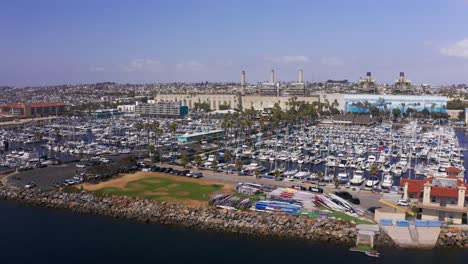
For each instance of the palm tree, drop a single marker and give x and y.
(374, 170)
(184, 160)
(239, 165)
(227, 156)
(257, 173)
(319, 177)
(39, 136)
(159, 133)
(198, 160)
(336, 182)
(172, 129)
(148, 127)
(151, 149)
(277, 173)
(214, 164)
(139, 127)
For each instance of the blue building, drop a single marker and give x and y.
(362, 103)
(106, 113)
(194, 137)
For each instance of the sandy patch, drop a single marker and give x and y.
(117, 182)
(183, 193)
(174, 185)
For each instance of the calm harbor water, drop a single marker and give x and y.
(41, 235)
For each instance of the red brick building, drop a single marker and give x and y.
(23, 110)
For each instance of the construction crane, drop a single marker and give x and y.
(406, 210)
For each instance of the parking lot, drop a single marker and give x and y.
(44, 178)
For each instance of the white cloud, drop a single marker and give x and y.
(190, 65)
(458, 49)
(286, 59)
(332, 61)
(143, 65)
(96, 69)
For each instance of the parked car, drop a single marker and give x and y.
(344, 195)
(403, 202)
(30, 185)
(197, 175)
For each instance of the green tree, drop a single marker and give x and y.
(198, 160)
(277, 174)
(396, 112)
(214, 163)
(184, 160)
(227, 156)
(336, 182)
(319, 177)
(173, 127)
(461, 115)
(374, 111)
(239, 165)
(39, 136)
(151, 149)
(257, 173)
(374, 170)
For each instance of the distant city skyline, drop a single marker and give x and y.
(51, 42)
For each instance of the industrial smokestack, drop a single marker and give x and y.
(301, 76)
(243, 78)
(272, 76)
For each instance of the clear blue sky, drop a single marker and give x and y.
(84, 41)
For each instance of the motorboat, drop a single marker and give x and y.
(372, 181)
(290, 173)
(398, 169)
(371, 159)
(358, 178)
(387, 180)
(343, 176)
(387, 167)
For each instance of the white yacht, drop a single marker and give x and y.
(387, 181)
(358, 178)
(372, 181)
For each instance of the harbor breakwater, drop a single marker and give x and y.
(151, 211)
(453, 237)
(241, 222)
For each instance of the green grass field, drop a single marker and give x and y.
(163, 189)
(346, 217)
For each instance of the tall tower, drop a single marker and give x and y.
(272, 76)
(243, 79)
(301, 76)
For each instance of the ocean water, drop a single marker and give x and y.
(42, 235)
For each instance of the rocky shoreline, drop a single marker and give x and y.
(239, 222)
(453, 237)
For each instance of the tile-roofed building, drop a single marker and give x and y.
(439, 198)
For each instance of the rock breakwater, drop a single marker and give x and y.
(151, 211)
(453, 237)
